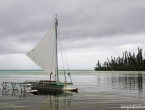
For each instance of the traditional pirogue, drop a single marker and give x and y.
(45, 55)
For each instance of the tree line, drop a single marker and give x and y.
(128, 62)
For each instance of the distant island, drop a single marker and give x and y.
(128, 62)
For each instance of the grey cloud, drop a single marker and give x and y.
(28, 21)
(130, 22)
(9, 48)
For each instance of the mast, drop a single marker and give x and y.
(56, 24)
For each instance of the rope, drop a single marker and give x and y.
(63, 51)
(62, 60)
(61, 55)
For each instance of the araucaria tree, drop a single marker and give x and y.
(128, 62)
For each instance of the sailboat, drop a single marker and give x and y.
(45, 55)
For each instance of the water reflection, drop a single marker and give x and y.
(127, 82)
(53, 99)
(15, 93)
(56, 102)
(140, 82)
(130, 82)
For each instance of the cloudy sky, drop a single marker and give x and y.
(90, 30)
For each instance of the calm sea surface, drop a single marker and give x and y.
(97, 91)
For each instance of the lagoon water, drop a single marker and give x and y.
(98, 90)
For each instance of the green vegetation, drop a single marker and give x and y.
(128, 62)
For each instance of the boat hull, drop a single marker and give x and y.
(45, 85)
(48, 86)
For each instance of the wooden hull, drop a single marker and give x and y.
(48, 86)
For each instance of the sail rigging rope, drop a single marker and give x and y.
(63, 50)
(63, 56)
(62, 61)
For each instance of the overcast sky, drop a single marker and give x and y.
(90, 30)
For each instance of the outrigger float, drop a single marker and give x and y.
(18, 86)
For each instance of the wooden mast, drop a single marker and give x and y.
(56, 24)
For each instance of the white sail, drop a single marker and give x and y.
(44, 53)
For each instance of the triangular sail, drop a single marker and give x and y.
(44, 53)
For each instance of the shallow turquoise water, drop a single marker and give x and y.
(97, 91)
